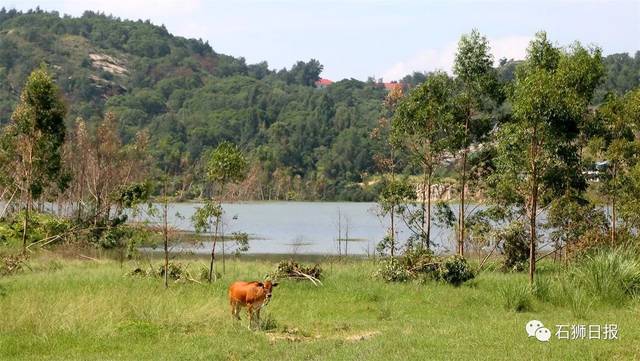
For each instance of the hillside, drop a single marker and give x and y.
(304, 142)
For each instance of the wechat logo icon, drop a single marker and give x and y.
(536, 329)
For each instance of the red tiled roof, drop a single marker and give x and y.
(324, 82)
(392, 85)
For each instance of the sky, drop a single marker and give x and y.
(380, 39)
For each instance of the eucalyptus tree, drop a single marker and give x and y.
(473, 68)
(630, 202)
(225, 165)
(617, 126)
(386, 157)
(537, 154)
(420, 125)
(394, 196)
(32, 142)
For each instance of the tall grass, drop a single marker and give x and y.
(610, 276)
(517, 297)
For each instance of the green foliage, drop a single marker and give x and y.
(123, 236)
(455, 270)
(630, 203)
(622, 70)
(420, 261)
(43, 226)
(444, 216)
(203, 216)
(191, 98)
(293, 270)
(421, 121)
(473, 63)
(386, 245)
(241, 240)
(226, 164)
(576, 223)
(34, 138)
(422, 265)
(515, 246)
(392, 270)
(550, 95)
(613, 137)
(395, 193)
(132, 195)
(538, 157)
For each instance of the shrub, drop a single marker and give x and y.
(12, 263)
(516, 249)
(176, 270)
(420, 261)
(391, 270)
(517, 298)
(422, 265)
(294, 270)
(455, 270)
(43, 226)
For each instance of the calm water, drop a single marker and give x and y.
(302, 227)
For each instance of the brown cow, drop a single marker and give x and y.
(253, 295)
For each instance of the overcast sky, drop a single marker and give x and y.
(359, 38)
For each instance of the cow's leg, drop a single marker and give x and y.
(235, 309)
(258, 317)
(250, 312)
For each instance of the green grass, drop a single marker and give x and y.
(86, 310)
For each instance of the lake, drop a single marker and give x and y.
(302, 227)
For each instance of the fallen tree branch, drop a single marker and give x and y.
(6, 206)
(310, 278)
(89, 258)
(487, 256)
(550, 253)
(45, 241)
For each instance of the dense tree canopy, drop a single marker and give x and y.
(190, 98)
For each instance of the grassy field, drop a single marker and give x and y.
(90, 310)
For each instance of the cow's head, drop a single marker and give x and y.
(267, 286)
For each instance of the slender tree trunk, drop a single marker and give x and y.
(423, 203)
(533, 208)
(463, 184)
(393, 231)
(165, 234)
(533, 241)
(27, 190)
(222, 244)
(213, 249)
(428, 239)
(339, 233)
(613, 208)
(346, 238)
(25, 224)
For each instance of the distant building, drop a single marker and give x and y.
(392, 85)
(323, 83)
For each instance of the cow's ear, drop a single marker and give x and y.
(274, 284)
(260, 284)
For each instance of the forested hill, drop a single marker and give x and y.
(304, 142)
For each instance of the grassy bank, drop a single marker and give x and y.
(89, 310)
